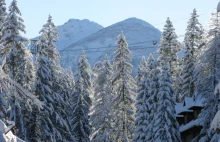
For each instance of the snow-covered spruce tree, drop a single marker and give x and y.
(142, 109)
(169, 47)
(165, 123)
(152, 101)
(81, 104)
(43, 128)
(63, 105)
(101, 118)
(59, 116)
(68, 87)
(143, 106)
(139, 75)
(123, 87)
(168, 50)
(143, 62)
(11, 88)
(54, 97)
(192, 41)
(150, 61)
(3, 14)
(67, 84)
(19, 64)
(25, 76)
(179, 81)
(141, 68)
(70, 78)
(207, 74)
(12, 28)
(85, 72)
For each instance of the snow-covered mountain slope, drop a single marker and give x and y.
(140, 36)
(75, 30)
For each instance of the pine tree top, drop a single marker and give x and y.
(123, 47)
(168, 27)
(13, 8)
(13, 26)
(169, 31)
(107, 64)
(143, 62)
(49, 32)
(150, 61)
(123, 55)
(83, 62)
(193, 21)
(194, 29)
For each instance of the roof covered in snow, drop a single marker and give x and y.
(178, 107)
(9, 137)
(189, 125)
(188, 104)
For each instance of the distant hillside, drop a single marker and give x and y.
(140, 36)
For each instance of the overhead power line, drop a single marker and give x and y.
(132, 46)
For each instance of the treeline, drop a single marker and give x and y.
(106, 103)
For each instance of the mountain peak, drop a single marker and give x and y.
(77, 21)
(134, 20)
(74, 30)
(139, 35)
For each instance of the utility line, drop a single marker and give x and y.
(133, 47)
(129, 47)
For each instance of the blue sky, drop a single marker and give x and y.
(107, 12)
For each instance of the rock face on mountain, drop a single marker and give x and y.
(140, 37)
(75, 30)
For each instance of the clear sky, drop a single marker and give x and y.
(107, 12)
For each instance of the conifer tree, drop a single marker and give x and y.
(179, 81)
(43, 129)
(207, 74)
(67, 84)
(152, 101)
(139, 75)
(11, 88)
(49, 58)
(101, 117)
(123, 86)
(142, 109)
(82, 102)
(165, 124)
(169, 46)
(59, 116)
(143, 62)
(141, 70)
(192, 41)
(18, 63)
(12, 28)
(85, 72)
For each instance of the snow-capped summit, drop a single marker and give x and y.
(139, 34)
(74, 30)
(134, 20)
